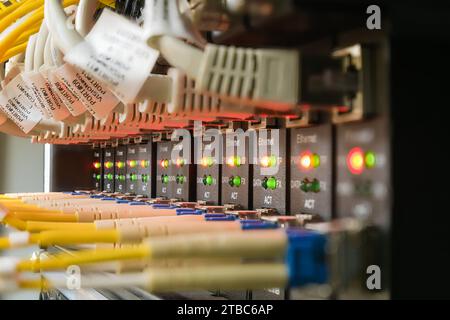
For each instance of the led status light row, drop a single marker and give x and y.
(122, 177)
(180, 179)
(358, 160)
(180, 162)
(207, 161)
(165, 163)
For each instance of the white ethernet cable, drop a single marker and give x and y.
(266, 78)
(84, 19)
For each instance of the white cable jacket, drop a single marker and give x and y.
(29, 53)
(39, 47)
(84, 20)
(55, 18)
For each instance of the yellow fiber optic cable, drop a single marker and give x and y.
(64, 237)
(29, 6)
(6, 10)
(24, 36)
(35, 17)
(11, 37)
(39, 226)
(45, 216)
(261, 244)
(85, 257)
(14, 51)
(238, 276)
(15, 223)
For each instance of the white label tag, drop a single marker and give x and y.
(46, 97)
(40, 102)
(19, 104)
(97, 99)
(72, 102)
(57, 109)
(116, 53)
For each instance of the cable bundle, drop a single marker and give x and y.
(177, 248)
(86, 74)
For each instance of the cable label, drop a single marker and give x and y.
(19, 104)
(40, 102)
(46, 95)
(96, 98)
(72, 102)
(116, 53)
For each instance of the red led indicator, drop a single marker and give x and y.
(355, 160)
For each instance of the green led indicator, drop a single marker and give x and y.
(207, 180)
(315, 186)
(133, 177)
(120, 164)
(110, 176)
(132, 163)
(315, 160)
(179, 179)
(272, 183)
(165, 179)
(304, 185)
(237, 181)
(370, 159)
(98, 177)
(273, 161)
(121, 177)
(310, 186)
(269, 183)
(145, 178)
